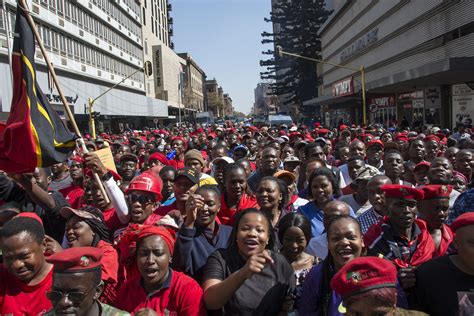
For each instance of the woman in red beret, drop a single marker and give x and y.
(158, 287)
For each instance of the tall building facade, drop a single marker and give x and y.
(92, 45)
(193, 85)
(265, 102)
(418, 58)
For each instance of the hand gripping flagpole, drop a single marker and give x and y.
(31, 23)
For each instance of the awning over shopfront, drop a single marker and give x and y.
(445, 72)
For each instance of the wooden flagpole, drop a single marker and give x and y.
(22, 5)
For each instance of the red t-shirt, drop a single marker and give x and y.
(73, 195)
(226, 215)
(163, 210)
(179, 295)
(112, 221)
(110, 265)
(17, 298)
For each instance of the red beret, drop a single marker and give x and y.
(465, 219)
(402, 137)
(323, 131)
(423, 164)
(296, 134)
(30, 215)
(431, 137)
(398, 191)
(436, 191)
(76, 259)
(147, 182)
(160, 157)
(343, 127)
(376, 143)
(364, 274)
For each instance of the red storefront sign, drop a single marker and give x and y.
(343, 87)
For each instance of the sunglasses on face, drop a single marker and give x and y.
(142, 199)
(75, 297)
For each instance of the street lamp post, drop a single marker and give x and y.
(280, 53)
(148, 71)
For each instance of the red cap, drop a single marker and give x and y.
(376, 143)
(76, 259)
(398, 191)
(30, 215)
(431, 137)
(423, 164)
(465, 219)
(436, 191)
(76, 158)
(281, 133)
(364, 274)
(160, 157)
(147, 182)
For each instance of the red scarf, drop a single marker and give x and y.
(425, 247)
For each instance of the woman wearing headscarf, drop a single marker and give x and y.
(85, 227)
(157, 287)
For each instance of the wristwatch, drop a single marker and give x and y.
(107, 176)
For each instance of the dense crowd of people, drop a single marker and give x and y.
(240, 220)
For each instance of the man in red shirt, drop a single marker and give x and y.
(433, 210)
(73, 193)
(25, 276)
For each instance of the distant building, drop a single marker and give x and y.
(228, 106)
(418, 58)
(193, 85)
(265, 101)
(92, 45)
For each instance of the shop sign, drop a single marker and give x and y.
(462, 89)
(463, 109)
(418, 104)
(343, 87)
(383, 102)
(433, 97)
(55, 98)
(360, 44)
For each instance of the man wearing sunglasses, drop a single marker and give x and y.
(143, 196)
(77, 283)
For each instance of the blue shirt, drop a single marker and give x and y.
(310, 301)
(464, 203)
(315, 215)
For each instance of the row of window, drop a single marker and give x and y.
(114, 12)
(80, 52)
(133, 5)
(77, 16)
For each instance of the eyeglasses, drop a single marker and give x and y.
(142, 199)
(75, 297)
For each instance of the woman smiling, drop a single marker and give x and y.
(247, 278)
(345, 243)
(200, 235)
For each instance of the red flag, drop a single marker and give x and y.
(34, 135)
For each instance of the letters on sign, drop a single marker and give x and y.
(343, 87)
(360, 44)
(54, 98)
